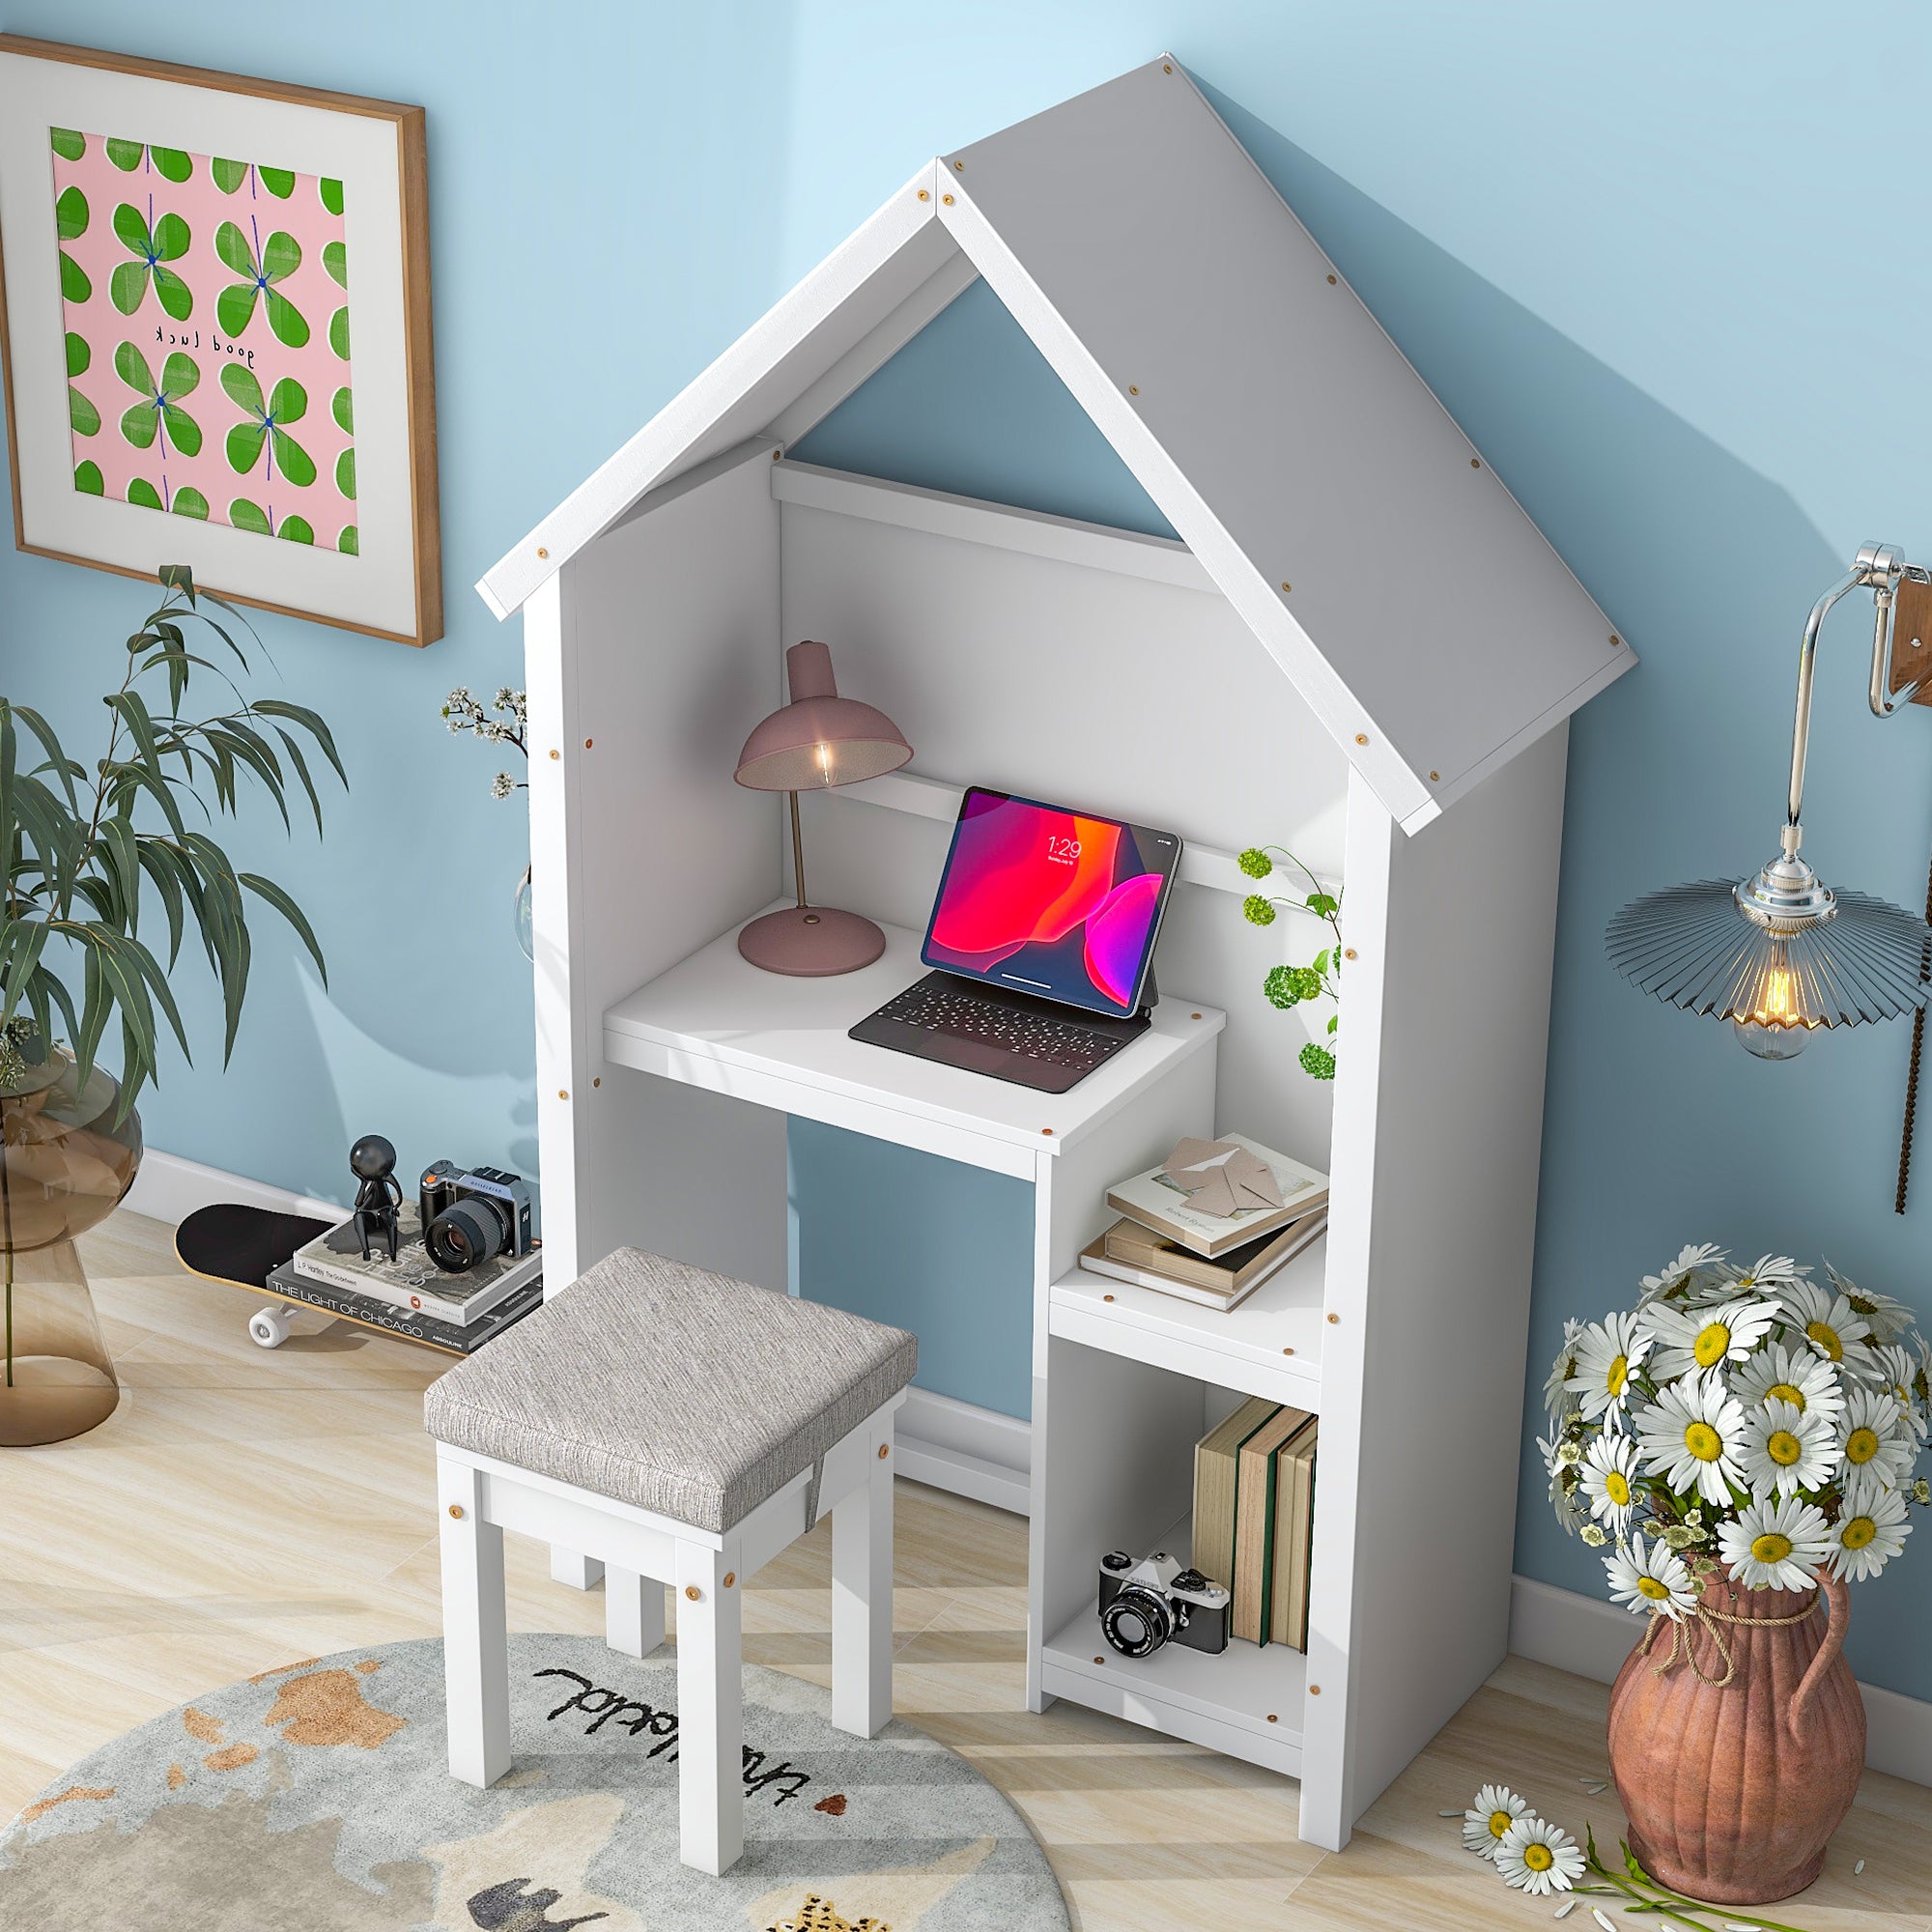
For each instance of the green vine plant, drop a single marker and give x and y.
(83, 847)
(1322, 977)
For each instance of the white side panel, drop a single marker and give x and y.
(1263, 408)
(669, 627)
(778, 359)
(1089, 685)
(1438, 1117)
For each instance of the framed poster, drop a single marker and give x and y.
(215, 334)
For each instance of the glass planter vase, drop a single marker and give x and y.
(65, 1163)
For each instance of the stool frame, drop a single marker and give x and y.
(480, 1498)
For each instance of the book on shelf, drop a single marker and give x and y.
(1295, 1515)
(412, 1281)
(1159, 1201)
(1256, 1478)
(1129, 1252)
(456, 1338)
(1214, 1484)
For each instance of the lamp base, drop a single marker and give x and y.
(812, 942)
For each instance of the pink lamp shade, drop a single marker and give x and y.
(818, 740)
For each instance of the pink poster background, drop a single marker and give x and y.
(326, 506)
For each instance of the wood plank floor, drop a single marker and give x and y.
(243, 1509)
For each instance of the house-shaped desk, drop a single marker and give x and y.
(1358, 633)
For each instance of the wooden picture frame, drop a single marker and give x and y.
(182, 386)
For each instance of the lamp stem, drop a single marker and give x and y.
(797, 852)
(1801, 729)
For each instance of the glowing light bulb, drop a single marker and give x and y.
(1775, 1030)
(824, 752)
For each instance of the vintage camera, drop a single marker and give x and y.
(470, 1216)
(1154, 1602)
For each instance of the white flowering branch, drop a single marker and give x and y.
(463, 713)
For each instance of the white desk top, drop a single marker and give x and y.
(714, 1015)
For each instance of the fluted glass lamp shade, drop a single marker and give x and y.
(816, 741)
(1848, 960)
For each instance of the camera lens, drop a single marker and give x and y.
(1137, 1622)
(469, 1230)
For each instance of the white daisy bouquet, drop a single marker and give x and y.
(1752, 1423)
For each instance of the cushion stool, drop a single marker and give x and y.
(684, 1427)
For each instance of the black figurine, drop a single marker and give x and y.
(372, 1161)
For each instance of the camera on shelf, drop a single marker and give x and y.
(472, 1215)
(1154, 1602)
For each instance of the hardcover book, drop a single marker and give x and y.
(1213, 1550)
(1158, 1201)
(1294, 1520)
(452, 1338)
(412, 1281)
(1257, 1472)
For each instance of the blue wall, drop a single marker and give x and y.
(1598, 232)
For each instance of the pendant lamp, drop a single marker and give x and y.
(1782, 955)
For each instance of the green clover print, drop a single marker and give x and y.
(155, 245)
(264, 265)
(230, 175)
(71, 219)
(159, 412)
(268, 428)
(189, 502)
(247, 516)
(81, 415)
(171, 163)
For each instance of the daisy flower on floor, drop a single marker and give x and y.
(1775, 1546)
(1873, 1439)
(1605, 1353)
(1786, 1450)
(1539, 1858)
(1826, 1318)
(1651, 1579)
(1807, 1381)
(1609, 1480)
(1870, 1534)
(1496, 1808)
(1691, 1436)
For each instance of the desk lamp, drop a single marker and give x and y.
(1780, 955)
(818, 741)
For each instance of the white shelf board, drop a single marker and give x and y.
(1268, 1346)
(715, 1020)
(1224, 1701)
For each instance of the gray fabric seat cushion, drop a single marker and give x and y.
(665, 1387)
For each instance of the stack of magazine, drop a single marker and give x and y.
(1167, 1241)
(410, 1296)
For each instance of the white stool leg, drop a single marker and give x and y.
(574, 1572)
(634, 1612)
(475, 1660)
(710, 1722)
(861, 1601)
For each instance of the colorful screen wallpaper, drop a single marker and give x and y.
(206, 304)
(1050, 901)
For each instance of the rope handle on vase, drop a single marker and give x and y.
(1712, 1620)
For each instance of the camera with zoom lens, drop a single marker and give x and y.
(1154, 1602)
(472, 1215)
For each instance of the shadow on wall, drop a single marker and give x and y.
(1657, 1129)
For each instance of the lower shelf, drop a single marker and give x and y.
(1245, 1702)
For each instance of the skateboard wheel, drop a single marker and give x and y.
(269, 1327)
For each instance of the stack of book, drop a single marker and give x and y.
(1254, 1503)
(410, 1296)
(1168, 1243)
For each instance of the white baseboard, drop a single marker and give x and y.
(170, 1188)
(972, 1451)
(1591, 1639)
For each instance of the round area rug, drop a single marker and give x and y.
(317, 1797)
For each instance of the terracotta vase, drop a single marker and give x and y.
(1735, 1774)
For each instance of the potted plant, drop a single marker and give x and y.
(1742, 1445)
(90, 848)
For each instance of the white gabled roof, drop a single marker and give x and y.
(1411, 602)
